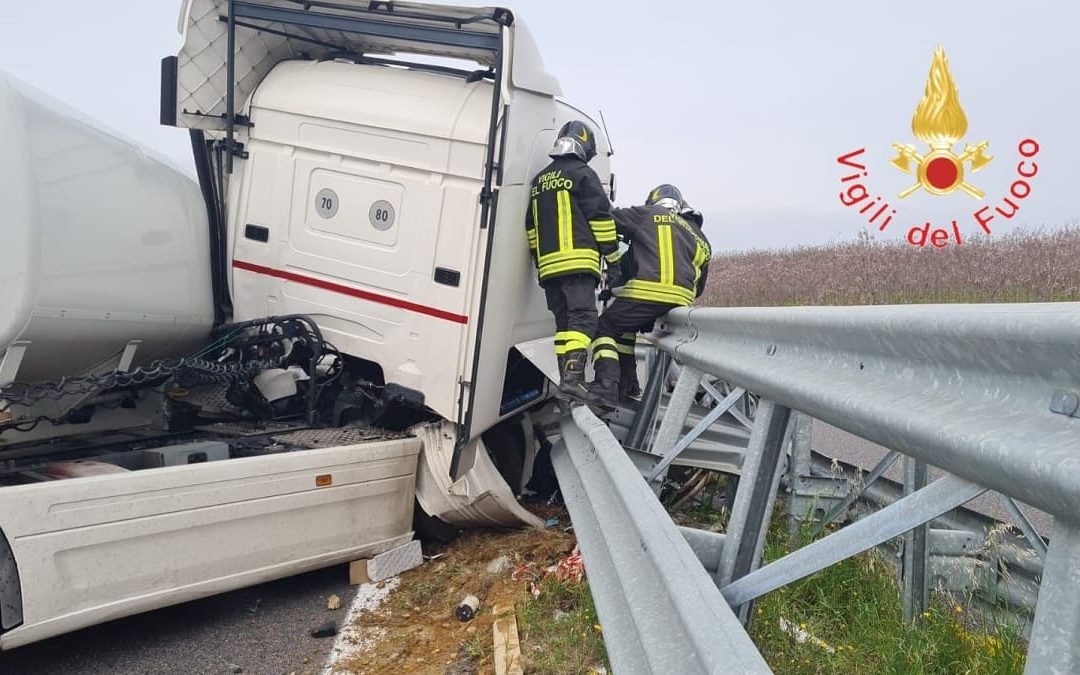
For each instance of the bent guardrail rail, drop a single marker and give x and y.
(659, 609)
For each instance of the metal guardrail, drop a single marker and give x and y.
(967, 388)
(989, 393)
(986, 392)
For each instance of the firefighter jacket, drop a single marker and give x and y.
(670, 255)
(568, 222)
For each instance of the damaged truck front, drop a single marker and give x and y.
(210, 386)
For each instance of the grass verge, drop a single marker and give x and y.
(559, 630)
(848, 618)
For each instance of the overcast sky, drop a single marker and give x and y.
(746, 106)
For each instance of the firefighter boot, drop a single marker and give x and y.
(604, 391)
(629, 389)
(572, 376)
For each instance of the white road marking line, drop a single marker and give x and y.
(353, 640)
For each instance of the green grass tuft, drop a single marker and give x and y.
(573, 643)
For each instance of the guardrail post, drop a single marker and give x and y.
(1055, 636)
(799, 471)
(650, 400)
(915, 592)
(754, 501)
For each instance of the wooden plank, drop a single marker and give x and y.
(358, 573)
(504, 635)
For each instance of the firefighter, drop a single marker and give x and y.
(569, 227)
(669, 257)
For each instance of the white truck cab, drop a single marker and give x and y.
(383, 197)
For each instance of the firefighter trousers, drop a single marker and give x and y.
(616, 333)
(572, 299)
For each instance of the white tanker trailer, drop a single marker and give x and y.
(209, 386)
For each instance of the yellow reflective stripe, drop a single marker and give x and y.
(603, 230)
(572, 266)
(560, 342)
(639, 289)
(566, 221)
(534, 241)
(604, 348)
(583, 254)
(648, 296)
(613, 257)
(701, 258)
(667, 256)
(625, 349)
(684, 294)
(576, 340)
(701, 255)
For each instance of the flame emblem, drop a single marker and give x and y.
(940, 122)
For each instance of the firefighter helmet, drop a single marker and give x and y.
(666, 195)
(575, 138)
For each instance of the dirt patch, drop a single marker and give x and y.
(420, 633)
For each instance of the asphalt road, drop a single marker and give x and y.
(262, 630)
(846, 447)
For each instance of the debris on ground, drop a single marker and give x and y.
(570, 568)
(467, 608)
(386, 564)
(233, 668)
(501, 568)
(801, 635)
(506, 643)
(499, 565)
(333, 602)
(328, 629)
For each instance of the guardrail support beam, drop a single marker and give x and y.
(754, 500)
(1055, 637)
(941, 496)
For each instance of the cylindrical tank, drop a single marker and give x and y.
(101, 244)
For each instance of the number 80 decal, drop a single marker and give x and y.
(381, 214)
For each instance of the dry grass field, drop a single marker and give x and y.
(1023, 266)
